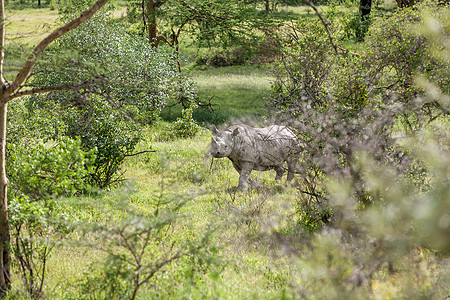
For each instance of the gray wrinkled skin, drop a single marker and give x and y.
(258, 149)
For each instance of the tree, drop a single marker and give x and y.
(150, 17)
(365, 7)
(10, 91)
(107, 116)
(210, 22)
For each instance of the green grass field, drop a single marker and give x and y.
(235, 92)
(244, 258)
(179, 169)
(29, 26)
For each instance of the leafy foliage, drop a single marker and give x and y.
(134, 74)
(39, 175)
(210, 23)
(183, 127)
(132, 82)
(42, 171)
(138, 245)
(107, 132)
(397, 54)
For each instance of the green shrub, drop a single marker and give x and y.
(124, 83)
(396, 54)
(185, 126)
(343, 103)
(103, 129)
(138, 246)
(125, 70)
(40, 171)
(39, 175)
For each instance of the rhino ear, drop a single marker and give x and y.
(235, 132)
(213, 140)
(214, 130)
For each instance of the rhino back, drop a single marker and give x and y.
(267, 146)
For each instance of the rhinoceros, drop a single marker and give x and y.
(257, 149)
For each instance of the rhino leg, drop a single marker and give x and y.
(246, 169)
(280, 172)
(291, 169)
(237, 167)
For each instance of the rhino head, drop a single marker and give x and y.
(222, 142)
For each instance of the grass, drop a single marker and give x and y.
(25, 28)
(180, 169)
(29, 26)
(235, 92)
(245, 259)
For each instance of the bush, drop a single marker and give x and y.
(39, 175)
(382, 188)
(127, 72)
(138, 246)
(58, 169)
(342, 104)
(396, 54)
(102, 128)
(185, 126)
(122, 82)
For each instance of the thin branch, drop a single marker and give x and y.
(138, 153)
(130, 247)
(160, 265)
(324, 24)
(47, 89)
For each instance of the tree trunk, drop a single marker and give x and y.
(152, 26)
(267, 5)
(152, 29)
(8, 91)
(365, 8)
(5, 256)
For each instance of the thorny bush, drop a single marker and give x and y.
(343, 103)
(374, 179)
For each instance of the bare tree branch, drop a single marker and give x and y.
(324, 24)
(46, 89)
(138, 153)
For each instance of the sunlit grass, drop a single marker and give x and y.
(29, 26)
(181, 169)
(235, 92)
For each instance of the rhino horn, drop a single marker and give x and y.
(235, 132)
(214, 130)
